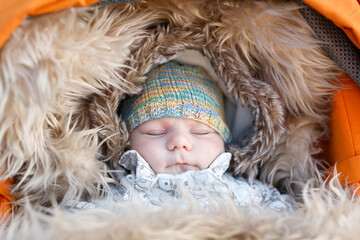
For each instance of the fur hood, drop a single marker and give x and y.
(64, 75)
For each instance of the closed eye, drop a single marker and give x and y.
(155, 133)
(201, 132)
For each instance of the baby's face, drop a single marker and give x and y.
(175, 145)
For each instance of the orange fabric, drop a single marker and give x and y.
(5, 198)
(349, 170)
(343, 13)
(344, 149)
(12, 12)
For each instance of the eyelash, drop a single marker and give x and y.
(155, 133)
(201, 133)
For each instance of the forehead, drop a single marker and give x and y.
(170, 121)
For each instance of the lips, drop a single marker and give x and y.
(177, 164)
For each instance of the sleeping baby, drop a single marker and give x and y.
(177, 144)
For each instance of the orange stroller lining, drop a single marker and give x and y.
(5, 198)
(14, 11)
(344, 149)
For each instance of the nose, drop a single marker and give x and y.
(179, 141)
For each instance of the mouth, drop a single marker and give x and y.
(180, 164)
(178, 160)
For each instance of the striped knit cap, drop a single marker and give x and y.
(174, 90)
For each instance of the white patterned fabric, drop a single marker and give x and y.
(211, 183)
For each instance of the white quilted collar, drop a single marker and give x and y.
(133, 161)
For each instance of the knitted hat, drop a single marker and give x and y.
(174, 90)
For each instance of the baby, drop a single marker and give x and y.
(177, 144)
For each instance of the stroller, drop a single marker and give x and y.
(61, 87)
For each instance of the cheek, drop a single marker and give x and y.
(151, 151)
(143, 149)
(215, 150)
(209, 151)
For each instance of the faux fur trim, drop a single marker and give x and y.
(329, 217)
